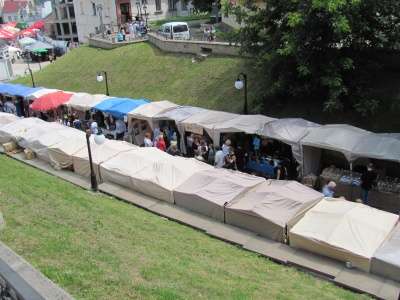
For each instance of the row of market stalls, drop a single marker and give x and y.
(282, 211)
(313, 147)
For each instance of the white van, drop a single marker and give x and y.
(175, 31)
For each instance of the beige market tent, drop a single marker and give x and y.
(25, 136)
(343, 230)
(9, 130)
(160, 178)
(120, 168)
(386, 260)
(271, 208)
(60, 154)
(6, 118)
(40, 93)
(100, 154)
(84, 101)
(249, 124)
(41, 143)
(208, 191)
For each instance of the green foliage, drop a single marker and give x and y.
(323, 49)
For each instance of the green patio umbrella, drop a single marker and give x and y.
(40, 50)
(22, 25)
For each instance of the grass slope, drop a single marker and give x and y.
(96, 247)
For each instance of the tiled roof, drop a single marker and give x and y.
(13, 6)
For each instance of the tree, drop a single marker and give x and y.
(202, 6)
(325, 49)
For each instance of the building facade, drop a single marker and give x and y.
(16, 11)
(64, 20)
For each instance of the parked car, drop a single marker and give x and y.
(175, 31)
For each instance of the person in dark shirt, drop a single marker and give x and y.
(367, 179)
(77, 124)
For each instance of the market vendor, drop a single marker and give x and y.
(329, 189)
(367, 180)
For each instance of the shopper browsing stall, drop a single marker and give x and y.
(367, 180)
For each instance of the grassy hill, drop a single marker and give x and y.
(143, 71)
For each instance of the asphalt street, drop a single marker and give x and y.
(20, 67)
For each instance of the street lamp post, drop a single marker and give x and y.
(145, 14)
(30, 71)
(99, 139)
(239, 85)
(100, 78)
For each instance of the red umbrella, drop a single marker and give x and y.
(50, 101)
(26, 32)
(11, 24)
(5, 34)
(38, 25)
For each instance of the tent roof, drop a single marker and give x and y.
(207, 120)
(6, 118)
(20, 125)
(249, 124)
(377, 146)
(85, 101)
(40, 45)
(27, 40)
(40, 93)
(342, 138)
(179, 113)
(277, 200)
(119, 107)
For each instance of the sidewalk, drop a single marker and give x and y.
(20, 67)
(323, 267)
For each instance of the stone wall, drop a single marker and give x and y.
(192, 47)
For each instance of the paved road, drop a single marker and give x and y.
(20, 66)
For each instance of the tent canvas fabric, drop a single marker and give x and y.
(249, 124)
(50, 101)
(26, 41)
(23, 137)
(120, 168)
(343, 230)
(41, 92)
(85, 101)
(100, 154)
(207, 192)
(17, 89)
(119, 107)
(148, 111)
(60, 154)
(271, 208)
(6, 118)
(160, 178)
(9, 130)
(40, 45)
(41, 143)
(386, 259)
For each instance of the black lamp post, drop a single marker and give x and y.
(239, 85)
(145, 15)
(100, 78)
(30, 71)
(99, 139)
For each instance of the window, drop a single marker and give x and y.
(171, 5)
(9, 18)
(183, 5)
(94, 8)
(158, 5)
(15, 18)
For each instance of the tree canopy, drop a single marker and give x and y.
(325, 49)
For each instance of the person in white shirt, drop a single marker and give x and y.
(120, 127)
(219, 157)
(225, 147)
(147, 140)
(93, 126)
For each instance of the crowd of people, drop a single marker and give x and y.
(136, 28)
(209, 32)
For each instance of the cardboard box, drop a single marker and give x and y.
(10, 146)
(29, 154)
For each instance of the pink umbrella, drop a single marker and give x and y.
(5, 34)
(50, 101)
(11, 24)
(38, 25)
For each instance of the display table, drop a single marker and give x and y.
(106, 131)
(261, 169)
(386, 201)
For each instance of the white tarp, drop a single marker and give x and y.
(120, 168)
(100, 153)
(249, 124)
(41, 143)
(40, 93)
(272, 207)
(343, 230)
(61, 153)
(160, 178)
(386, 260)
(148, 111)
(23, 137)
(6, 118)
(341, 138)
(206, 121)
(9, 130)
(208, 191)
(289, 131)
(84, 101)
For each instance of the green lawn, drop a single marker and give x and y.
(96, 247)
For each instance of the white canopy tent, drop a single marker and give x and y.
(40, 93)
(25, 136)
(386, 259)
(343, 230)
(249, 124)
(9, 130)
(120, 168)
(208, 191)
(160, 178)
(272, 208)
(100, 154)
(41, 143)
(341, 138)
(6, 118)
(84, 101)
(39, 45)
(60, 154)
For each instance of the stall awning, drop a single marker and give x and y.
(119, 107)
(17, 89)
(85, 101)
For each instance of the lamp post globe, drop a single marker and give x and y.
(239, 84)
(100, 77)
(99, 139)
